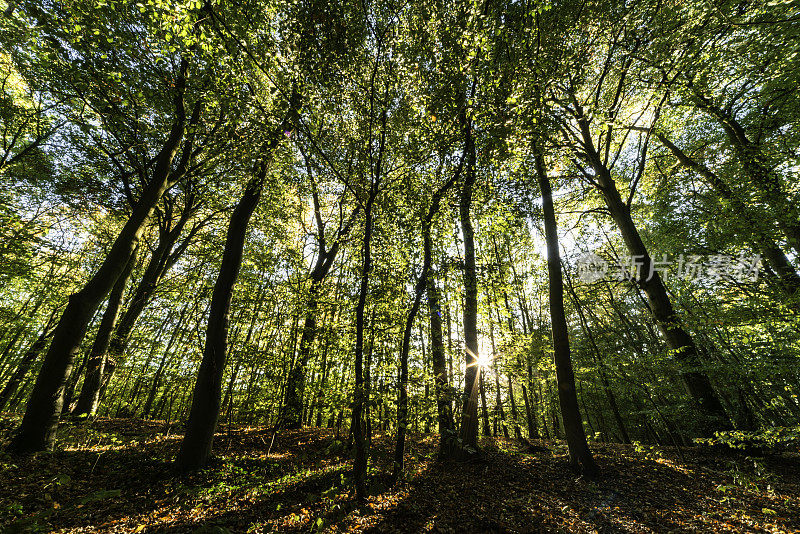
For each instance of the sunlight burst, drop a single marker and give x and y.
(484, 360)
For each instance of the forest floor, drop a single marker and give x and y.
(114, 475)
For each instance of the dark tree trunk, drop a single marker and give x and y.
(292, 409)
(695, 379)
(533, 432)
(419, 288)
(469, 410)
(499, 402)
(39, 424)
(612, 399)
(357, 424)
(198, 440)
(517, 431)
(580, 457)
(487, 429)
(291, 414)
(26, 363)
(160, 262)
(90, 392)
(444, 409)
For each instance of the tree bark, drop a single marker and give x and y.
(197, 442)
(612, 399)
(695, 379)
(469, 412)
(357, 424)
(90, 392)
(26, 363)
(160, 262)
(580, 457)
(421, 285)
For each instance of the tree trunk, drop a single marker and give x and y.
(90, 391)
(499, 402)
(580, 457)
(517, 431)
(612, 399)
(197, 442)
(291, 416)
(26, 363)
(695, 379)
(444, 409)
(487, 430)
(39, 424)
(360, 391)
(533, 432)
(357, 423)
(754, 232)
(469, 411)
(419, 288)
(159, 263)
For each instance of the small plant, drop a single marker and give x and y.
(10, 511)
(648, 451)
(752, 475)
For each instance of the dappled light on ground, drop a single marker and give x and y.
(115, 476)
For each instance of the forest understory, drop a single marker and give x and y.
(114, 475)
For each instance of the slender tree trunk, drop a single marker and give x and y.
(295, 385)
(444, 409)
(469, 411)
(19, 331)
(612, 399)
(514, 419)
(197, 442)
(580, 457)
(26, 362)
(695, 379)
(754, 230)
(419, 288)
(160, 261)
(499, 402)
(90, 392)
(361, 391)
(163, 363)
(357, 424)
(533, 432)
(368, 382)
(487, 431)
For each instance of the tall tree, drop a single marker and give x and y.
(469, 410)
(580, 457)
(38, 428)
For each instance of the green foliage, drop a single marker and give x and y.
(774, 439)
(384, 94)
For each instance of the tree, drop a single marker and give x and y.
(580, 457)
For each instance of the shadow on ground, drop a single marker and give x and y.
(115, 476)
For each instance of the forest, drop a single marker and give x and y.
(394, 266)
